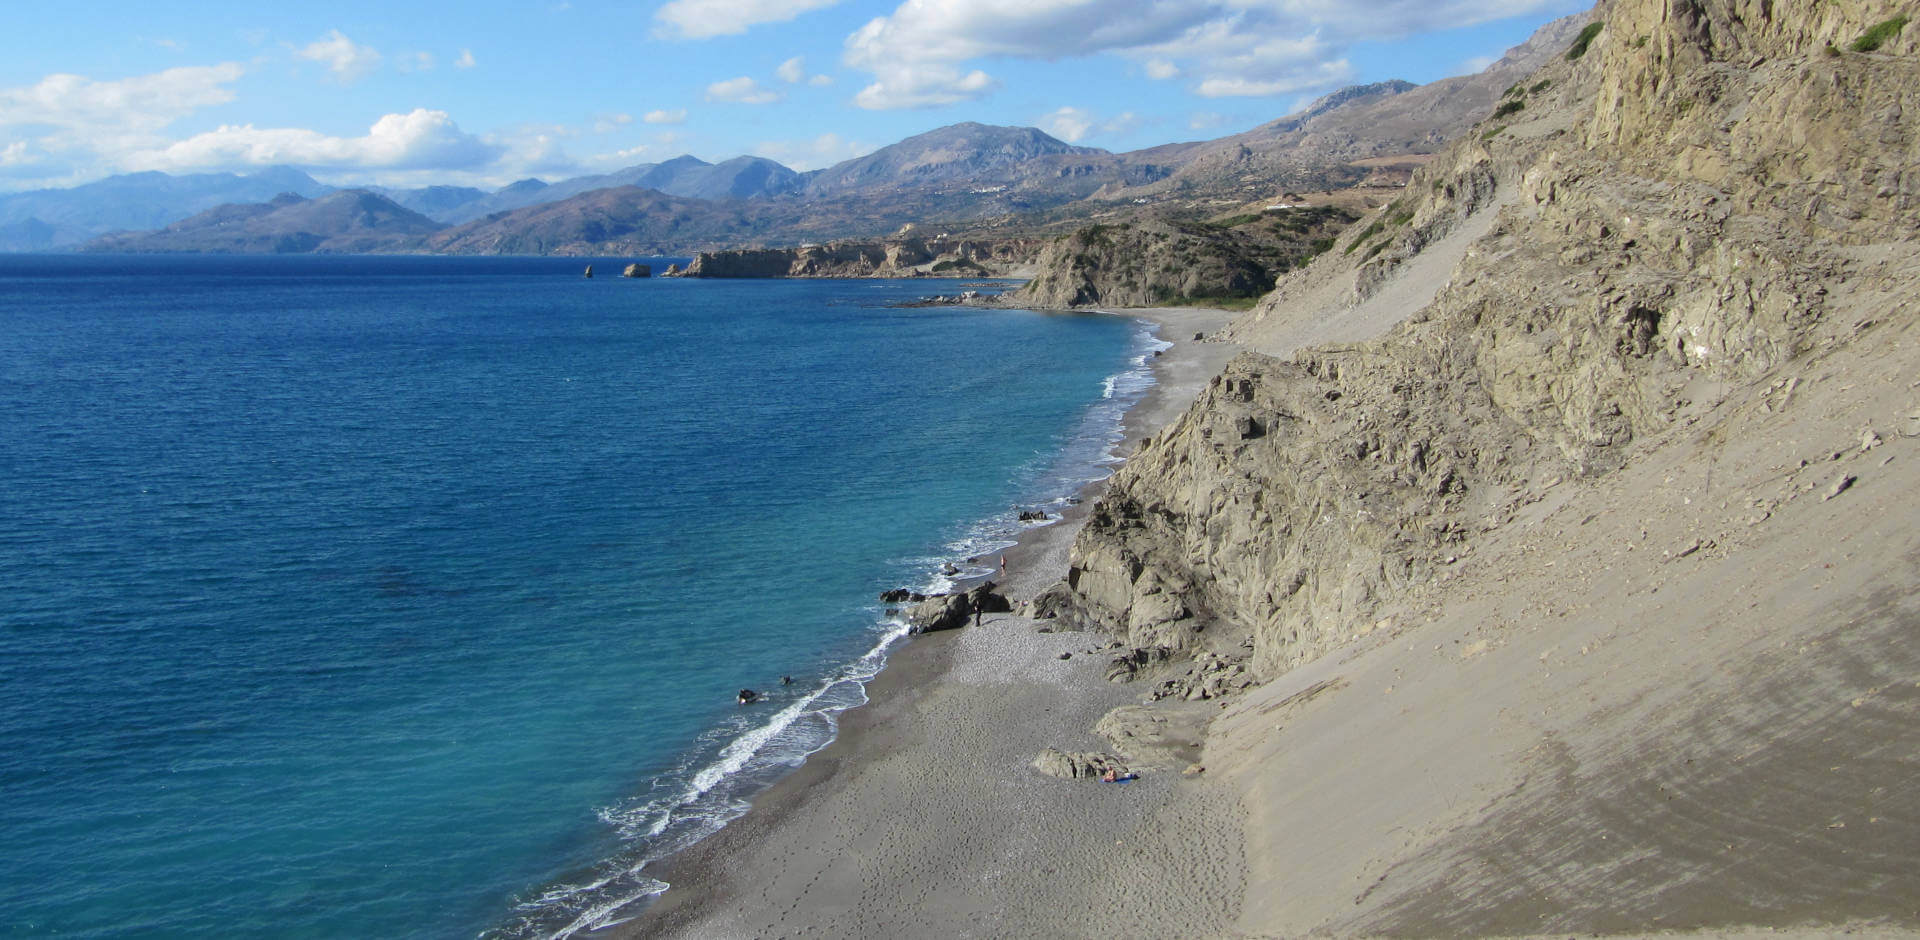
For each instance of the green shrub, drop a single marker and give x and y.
(1582, 41)
(1320, 246)
(1540, 86)
(1511, 107)
(1365, 235)
(1881, 32)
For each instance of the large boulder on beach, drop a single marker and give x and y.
(1070, 765)
(986, 601)
(940, 612)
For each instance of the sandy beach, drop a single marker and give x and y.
(926, 814)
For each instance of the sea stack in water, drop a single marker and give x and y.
(589, 271)
(637, 270)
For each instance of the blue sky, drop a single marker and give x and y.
(485, 92)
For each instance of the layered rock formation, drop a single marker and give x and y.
(1673, 206)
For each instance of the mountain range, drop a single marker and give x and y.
(970, 177)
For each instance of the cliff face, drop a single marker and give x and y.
(1662, 215)
(1159, 262)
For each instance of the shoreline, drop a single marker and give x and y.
(875, 795)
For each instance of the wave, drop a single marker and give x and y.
(731, 763)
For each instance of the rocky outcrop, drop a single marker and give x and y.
(1671, 204)
(940, 612)
(905, 257)
(1160, 262)
(1071, 765)
(636, 270)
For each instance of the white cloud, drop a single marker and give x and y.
(417, 62)
(347, 60)
(822, 151)
(608, 123)
(794, 71)
(141, 103)
(421, 139)
(465, 61)
(922, 86)
(920, 53)
(1068, 124)
(663, 116)
(742, 90)
(70, 128)
(1075, 124)
(704, 19)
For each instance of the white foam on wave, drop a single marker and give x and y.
(707, 799)
(707, 792)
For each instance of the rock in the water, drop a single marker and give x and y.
(637, 270)
(1034, 515)
(1071, 765)
(940, 612)
(901, 596)
(673, 270)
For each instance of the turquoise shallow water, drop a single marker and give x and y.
(408, 597)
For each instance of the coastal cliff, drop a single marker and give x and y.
(1160, 261)
(1674, 205)
(1544, 565)
(902, 257)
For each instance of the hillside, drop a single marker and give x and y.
(351, 221)
(1317, 148)
(625, 220)
(47, 219)
(1560, 510)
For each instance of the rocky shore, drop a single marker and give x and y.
(906, 256)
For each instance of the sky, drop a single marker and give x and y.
(484, 92)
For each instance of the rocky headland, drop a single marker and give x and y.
(904, 256)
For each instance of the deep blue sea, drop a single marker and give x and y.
(408, 597)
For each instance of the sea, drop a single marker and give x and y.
(410, 596)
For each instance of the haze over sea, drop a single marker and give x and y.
(408, 597)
